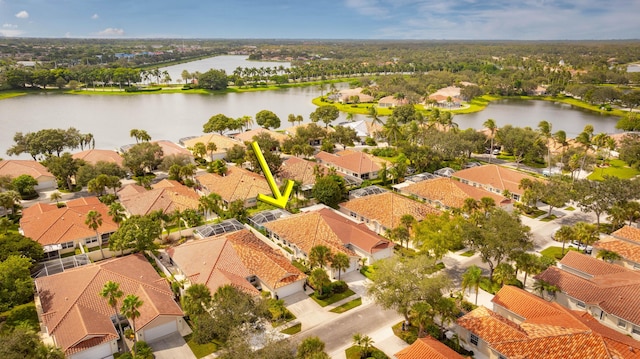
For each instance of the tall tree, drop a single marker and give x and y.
(545, 129)
(112, 293)
(326, 114)
(340, 262)
(319, 256)
(130, 308)
(267, 119)
(471, 279)
(93, 220)
(197, 300)
(117, 213)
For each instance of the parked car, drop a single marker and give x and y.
(581, 246)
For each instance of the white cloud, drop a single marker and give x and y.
(367, 8)
(9, 26)
(95, 17)
(10, 33)
(111, 31)
(22, 15)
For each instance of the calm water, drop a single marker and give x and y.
(228, 63)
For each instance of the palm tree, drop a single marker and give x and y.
(117, 212)
(545, 130)
(364, 342)
(564, 234)
(196, 300)
(56, 196)
(319, 256)
(130, 306)
(609, 256)
(111, 292)
(490, 124)
(176, 217)
(210, 203)
(93, 220)
(340, 262)
(560, 138)
(471, 279)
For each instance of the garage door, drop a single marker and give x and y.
(160, 331)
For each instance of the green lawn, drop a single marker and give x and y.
(570, 209)
(10, 94)
(616, 168)
(333, 298)
(354, 352)
(347, 306)
(292, 330)
(201, 350)
(549, 218)
(468, 253)
(556, 252)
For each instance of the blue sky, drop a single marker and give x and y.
(329, 19)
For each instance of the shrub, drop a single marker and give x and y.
(379, 355)
(339, 287)
(370, 141)
(385, 152)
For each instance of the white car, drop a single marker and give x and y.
(581, 246)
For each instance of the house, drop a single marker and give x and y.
(315, 133)
(299, 169)
(353, 163)
(168, 148)
(298, 233)
(364, 129)
(392, 101)
(17, 168)
(448, 97)
(223, 144)
(61, 230)
(240, 259)
(94, 156)
(248, 136)
(349, 95)
(427, 348)
(626, 242)
(447, 193)
(523, 325)
(77, 320)
(609, 292)
(166, 196)
(236, 184)
(494, 178)
(382, 212)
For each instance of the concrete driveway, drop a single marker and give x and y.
(172, 347)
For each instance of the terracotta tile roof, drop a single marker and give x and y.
(16, 168)
(247, 136)
(427, 348)
(223, 143)
(47, 224)
(295, 168)
(387, 208)
(627, 248)
(322, 227)
(451, 193)
(548, 330)
(79, 318)
(497, 177)
(93, 156)
(213, 262)
(166, 195)
(629, 233)
(169, 148)
(615, 290)
(237, 184)
(353, 161)
(392, 101)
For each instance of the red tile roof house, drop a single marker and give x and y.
(626, 242)
(352, 163)
(239, 259)
(16, 168)
(301, 232)
(447, 193)
(523, 325)
(166, 195)
(94, 156)
(494, 179)
(382, 212)
(236, 184)
(61, 230)
(609, 292)
(427, 348)
(81, 323)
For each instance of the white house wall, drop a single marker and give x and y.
(104, 350)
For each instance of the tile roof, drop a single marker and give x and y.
(613, 288)
(79, 318)
(628, 232)
(387, 208)
(16, 168)
(628, 248)
(495, 176)
(247, 136)
(427, 348)
(547, 330)
(354, 161)
(299, 169)
(223, 143)
(325, 227)
(93, 156)
(169, 148)
(47, 224)
(236, 184)
(165, 195)
(451, 193)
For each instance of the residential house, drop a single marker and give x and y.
(382, 212)
(448, 97)
(392, 101)
(239, 259)
(301, 232)
(61, 230)
(364, 129)
(609, 292)
(166, 196)
(353, 163)
(248, 136)
(427, 348)
(77, 320)
(223, 144)
(298, 169)
(17, 168)
(236, 184)
(625, 242)
(494, 178)
(168, 148)
(314, 141)
(447, 193)
(522, 325)
(349, 96)
(94, 156)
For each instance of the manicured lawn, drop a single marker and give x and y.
(292, 330)
(535, 213)
(354, 352)
(570, 209)
(409, 335)
(333, 298)
(367, 271)
(200, 350)
(616, 168)
(10, 94)
(556, 252)
(346, 306)
(468, 253)
(549, 218)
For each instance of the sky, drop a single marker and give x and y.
(328, 19)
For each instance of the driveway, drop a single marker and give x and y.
(172, 347)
